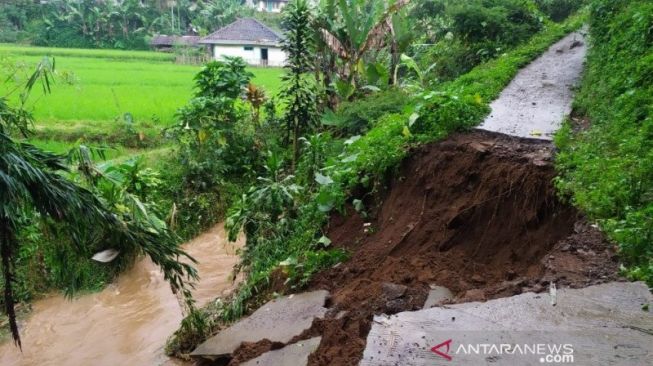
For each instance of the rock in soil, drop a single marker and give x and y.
(437, 295)
(392, 291)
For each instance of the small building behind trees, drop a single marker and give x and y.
(248, 38)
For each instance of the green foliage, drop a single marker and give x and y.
(348, 32)
(96, 88)
(298, 89)
(357, 117)
(559, 10)
(214, 136)
(90, 24)
(460, 35)
(608, 168)
(362, 165)
(263, 205)
(211, 15)
(505, 22)
(442, 113)
(285, 213)
(218, 148)
(125, 24)
(226, 78)
(15, 17)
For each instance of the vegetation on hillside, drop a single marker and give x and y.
(607, 166)
(126, 24)
(367, 128)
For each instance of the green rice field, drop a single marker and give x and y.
(97, 87)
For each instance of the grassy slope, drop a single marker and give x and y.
(608, 169)
(109, 83)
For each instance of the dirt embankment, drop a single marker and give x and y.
(478, 214)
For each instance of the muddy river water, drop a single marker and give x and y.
(125, 324)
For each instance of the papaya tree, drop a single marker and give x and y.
(299, 87)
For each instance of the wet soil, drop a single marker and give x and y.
(478, 214)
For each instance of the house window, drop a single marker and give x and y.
(248, 48)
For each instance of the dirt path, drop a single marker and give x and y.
(125, 324)
(536, 101)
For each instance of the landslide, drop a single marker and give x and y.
(478, 214)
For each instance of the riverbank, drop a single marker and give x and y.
(129, 321)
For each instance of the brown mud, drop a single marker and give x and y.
(478, 214)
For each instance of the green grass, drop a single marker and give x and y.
(607, 169)
(6, 48)
(106, 84)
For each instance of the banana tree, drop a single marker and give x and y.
(401, 37)
(350, 28)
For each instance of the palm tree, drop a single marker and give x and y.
(32, 179)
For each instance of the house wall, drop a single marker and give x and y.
(276, 57)
(269, 6)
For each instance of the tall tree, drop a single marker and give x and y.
(33, 180)
(299, 87)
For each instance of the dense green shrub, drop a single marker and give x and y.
(463, 34)
(608, 169)
(222, 78)
(506, 22)
(358, 116)
(559, 10)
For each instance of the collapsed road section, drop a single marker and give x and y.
(470, 237)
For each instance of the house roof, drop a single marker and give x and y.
(246, 31)
(163, 40)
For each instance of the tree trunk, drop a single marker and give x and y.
(295, 145)
(394, 61)
(6, 249)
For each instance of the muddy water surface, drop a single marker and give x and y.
(128, 322)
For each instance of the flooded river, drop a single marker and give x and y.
(125, 324)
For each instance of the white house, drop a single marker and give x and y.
(271, 6)
(248, 38)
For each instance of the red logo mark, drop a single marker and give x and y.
(444, 354)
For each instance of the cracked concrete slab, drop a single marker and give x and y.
(295, 354)
(536, 101)
(607, 324)
(278, 321)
